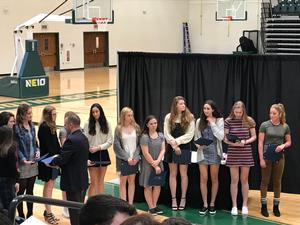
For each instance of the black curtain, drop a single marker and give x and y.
(149, 81)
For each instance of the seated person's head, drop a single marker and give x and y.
(141, 219)
(105, 210)
(176, 221)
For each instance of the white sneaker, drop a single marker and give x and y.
(65, 212)
(234, 211)
(245, 210)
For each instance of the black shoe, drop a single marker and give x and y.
(203, 210)
(152, 211)
(212, 210)
(264, 210)
(276, 211)
(158, 210)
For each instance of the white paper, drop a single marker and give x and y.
(194, 157)
(33, 221)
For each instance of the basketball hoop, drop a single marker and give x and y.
(100, 23)
(227, 18)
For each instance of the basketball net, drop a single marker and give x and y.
(100, 23)
(227, 18)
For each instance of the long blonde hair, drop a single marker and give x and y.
(186, 116)
(48, 118)
(121, 123)
(247, 121)
(279, 107)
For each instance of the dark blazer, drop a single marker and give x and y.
(73, 162)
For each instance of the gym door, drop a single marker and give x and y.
(47, 49)
(95, 49)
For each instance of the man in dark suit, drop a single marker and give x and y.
(73, 163)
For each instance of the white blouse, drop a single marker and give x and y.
(101, 140)
(129, 142)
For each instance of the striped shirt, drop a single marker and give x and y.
(236, 155)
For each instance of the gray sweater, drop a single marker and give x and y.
(120, 152)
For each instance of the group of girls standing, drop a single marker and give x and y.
(19, 153)
(211, 126)
(128, 141)
(22, 167)
(180, 130)
(132, 144)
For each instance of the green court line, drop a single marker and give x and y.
(58, 99)
(222, 217)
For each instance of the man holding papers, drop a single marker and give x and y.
(73, 162)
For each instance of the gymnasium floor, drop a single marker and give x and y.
(76, 91)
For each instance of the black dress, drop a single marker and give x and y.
(170, 156)
(48, 144)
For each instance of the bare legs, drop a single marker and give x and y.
(214, 171)
(173, 183)
(234, 173)
(151, 196)
(97, 175)
(47, 192)
(131, 188)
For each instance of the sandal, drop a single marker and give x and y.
(50, 218)
(174, 206)
(182, 204)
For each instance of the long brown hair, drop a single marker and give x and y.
(186, 116)
(4, 117)
(21, 113)
(121, 122)
(102, 120)
(203, 118)
(279, 107)
(247, 121)
(48, 118)
(146, 128)
(6, 140)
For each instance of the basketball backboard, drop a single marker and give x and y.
(85, 10)
(233, 9)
